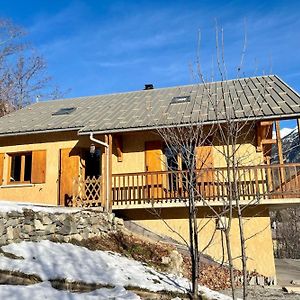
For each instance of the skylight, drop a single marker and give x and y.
(181, 99)
(64, 111)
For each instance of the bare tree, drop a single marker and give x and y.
(23, 76)
(189, 146)
(286, 226)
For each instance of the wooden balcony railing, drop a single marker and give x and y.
(87, 192)
(252, 182)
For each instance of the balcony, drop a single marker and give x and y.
(263, 184)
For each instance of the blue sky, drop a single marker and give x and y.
(97, 47)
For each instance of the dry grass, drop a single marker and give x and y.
(213, 276)
(129, 246)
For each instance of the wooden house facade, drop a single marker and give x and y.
(106, 151)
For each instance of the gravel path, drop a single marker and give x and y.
(287, 270)
(265, 293)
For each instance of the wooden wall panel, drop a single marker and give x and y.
(205, 160)
(153, 161)
(38, 169)
(153, 156)
(1, 167)
(69, 169)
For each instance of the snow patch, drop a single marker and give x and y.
(284, 132)
(9, 206)
(52, 260)
(44, 290)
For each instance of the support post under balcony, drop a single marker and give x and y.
(279, 149)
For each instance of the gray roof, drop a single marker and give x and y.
(266, 97)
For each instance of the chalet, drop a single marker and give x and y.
(105, 151)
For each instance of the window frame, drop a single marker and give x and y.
(22, 169)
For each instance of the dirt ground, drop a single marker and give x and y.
(287, 270)
(265, 293)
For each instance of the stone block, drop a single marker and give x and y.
(28, 228)
(84, 235)
(94, 220)
(60, 217)
(175, 264)
(55, 236)
(119, 222)
(2, 227)
(68, 228)
(165, 260)
(40, 233)
(109, 217)
(37, 238)
(38, 225)
(77, 237)
(66, 238)
(92, 234)
(12, 222)
(46, 220)
(3, 215)
(28, 220)
(14, 214)
(51, 228)
(3, 240)
(12, 233)
(81, 225)
(24, 236)
(95, 228)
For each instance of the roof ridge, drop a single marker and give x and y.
(155, 89)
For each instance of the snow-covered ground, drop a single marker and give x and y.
(66, 261)
(44, 290)
(9, 206)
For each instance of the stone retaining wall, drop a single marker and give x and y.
(29, 225)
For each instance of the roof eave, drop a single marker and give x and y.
(11, 134)
(156, 127)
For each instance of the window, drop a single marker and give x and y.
(172, 165)
(181, 99)
(64, 111)
(20, 167)
(171, 159)
(93, 163)
(25, 167)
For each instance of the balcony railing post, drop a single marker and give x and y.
(269, 176)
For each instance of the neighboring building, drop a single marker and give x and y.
(105, 150)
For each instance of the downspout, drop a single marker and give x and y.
(107, 162)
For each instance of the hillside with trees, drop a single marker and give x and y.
(286, 222)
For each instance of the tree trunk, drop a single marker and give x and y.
(243, 250)
(230, 264)
(193, 237)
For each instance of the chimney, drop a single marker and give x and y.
(148, 86)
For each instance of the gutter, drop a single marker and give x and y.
(156, 127)
(107, 162)
(10, 134)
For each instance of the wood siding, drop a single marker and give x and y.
(1, 167)
(69, 169)
(38, 171)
